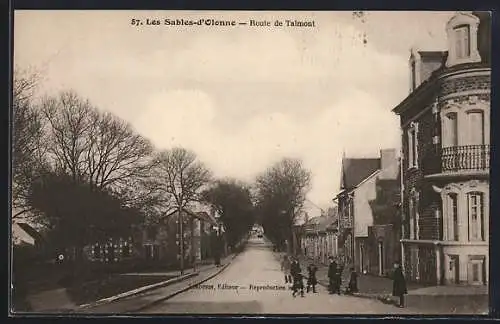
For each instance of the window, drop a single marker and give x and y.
(462, 41)
(476, 216)
(476, 127)
(97, 251)
(453, 232)
(452, 129)
(126, 250)
(414, 217)
(462, 32)
(413, 146)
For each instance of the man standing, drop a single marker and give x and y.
(332, 272)
(338, 277)
(399, 284)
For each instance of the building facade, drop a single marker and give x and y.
(161, 242)
(358, 206)
(383, 242)
(320, 239)
(445, 123)
(353, 172)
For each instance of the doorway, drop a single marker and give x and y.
(476, 271)
(381, 258)
(361, 256)
(454, 269)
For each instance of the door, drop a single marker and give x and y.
(476, 272)
(156, 252)
(361, 256)
(454, 269)
(415, 264)
(380, 258)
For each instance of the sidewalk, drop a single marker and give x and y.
(422, 298)
(142, 300)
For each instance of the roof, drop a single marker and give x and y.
(23, 232)
(485, 19)
(320, 223)
(354, 171)
(201, 215)
(432, 54)
(205, 217)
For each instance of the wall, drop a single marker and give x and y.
(363, 216)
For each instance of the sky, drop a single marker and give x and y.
(241, 97)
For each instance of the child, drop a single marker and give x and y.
(311, 279)
(285, 267)
(296, 272)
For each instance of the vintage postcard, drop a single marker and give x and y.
(251, 162)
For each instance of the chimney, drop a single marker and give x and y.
(388, 164)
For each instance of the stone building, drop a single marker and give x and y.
(445, 124)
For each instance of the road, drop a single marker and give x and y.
(246, 287)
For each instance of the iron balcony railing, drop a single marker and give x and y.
(465, 158)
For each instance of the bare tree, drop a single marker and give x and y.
(70, 122)
(184, 180)
(184, 176)
(92, 146)
(117, 153)
(146, 194)
(28, 146)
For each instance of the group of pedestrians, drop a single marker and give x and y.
(335, 273)
(293, 276)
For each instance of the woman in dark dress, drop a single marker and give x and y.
(353, 282)
(332, 272)
(399, 284)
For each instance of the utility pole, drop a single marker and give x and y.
(181, 240)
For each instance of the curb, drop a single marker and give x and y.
(180, 291)
(136, 291)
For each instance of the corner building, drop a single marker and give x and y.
(445, 132)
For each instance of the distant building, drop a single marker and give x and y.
(320, 238)
(162, 241)
(445, 124)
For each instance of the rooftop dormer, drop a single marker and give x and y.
(462, 33)
(422, 64)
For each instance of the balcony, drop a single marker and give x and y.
(465, 158)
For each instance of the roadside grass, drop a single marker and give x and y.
(92, 291)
